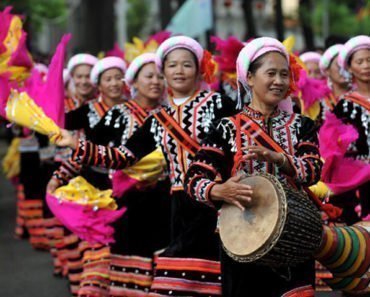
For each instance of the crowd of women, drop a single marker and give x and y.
(198, 125)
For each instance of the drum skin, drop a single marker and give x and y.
(281, 226)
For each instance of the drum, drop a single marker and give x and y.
(281, 226)
(345, 252)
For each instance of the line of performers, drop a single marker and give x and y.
(200, 140)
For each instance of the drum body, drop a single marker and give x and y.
(345, 252)
(281, 227)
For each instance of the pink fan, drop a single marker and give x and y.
(5, 19)
(88, 224)
(49, 95)
(311, 89)
(229, 50)
(21, 57)
(341, 174)
(4, 92)
(159, 37)
(116, 52)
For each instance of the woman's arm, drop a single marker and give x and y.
(306, 161)
(212, 160)
(85, 152)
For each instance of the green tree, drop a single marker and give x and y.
(344, 19)
(137, 14)
(36, 11)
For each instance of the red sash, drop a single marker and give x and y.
(138, 112)
(355, 98)
(178, 133)
(255, 132)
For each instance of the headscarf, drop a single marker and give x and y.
(350, 47)
(105, 64)
(310, 57)
(252, 51)
(329, 56)
(135, 67)
(81, 59)
(206, 65)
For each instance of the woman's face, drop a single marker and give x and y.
(180, 71)
(334, 73)
(111, 84)
(81, 80)
(360, 65)
(270, 82)
(149, 83)
(313, 70)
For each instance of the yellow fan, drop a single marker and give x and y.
(11, 161)
(81, 192)
(11, 42)
(320, 189)
(149, 169)
(21, 109)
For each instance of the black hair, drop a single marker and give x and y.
(192, 54)
(101, 73)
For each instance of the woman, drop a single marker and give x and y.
(107, 75)
(312, 60)
(263, 69)
(336, 81)
(79, 68)
(189, 266)
(353, 108)
(144, 228)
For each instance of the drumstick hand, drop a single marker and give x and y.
(232, 192)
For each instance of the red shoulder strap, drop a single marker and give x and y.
(178, 133)
(262, 138)
(139, 113)
(358, 100)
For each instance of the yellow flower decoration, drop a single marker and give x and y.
(138, 47)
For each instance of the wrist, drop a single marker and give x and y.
(214, 192)
(74, 143)
(282, 160)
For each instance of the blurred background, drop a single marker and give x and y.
(97, 25)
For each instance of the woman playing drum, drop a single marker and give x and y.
(260, 139)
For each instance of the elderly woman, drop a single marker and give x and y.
(263, 70)
(189, 266)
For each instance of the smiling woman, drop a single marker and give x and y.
(261, 139)
(189, 266)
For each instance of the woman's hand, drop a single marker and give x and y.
(233, 192)
(263, 154)
(53, 184)
(65, 139)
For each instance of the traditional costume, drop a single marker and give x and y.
(222, 154)
(189, 265)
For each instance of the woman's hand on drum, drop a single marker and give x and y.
(263, 154)
(232, 192)
(66, 139)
